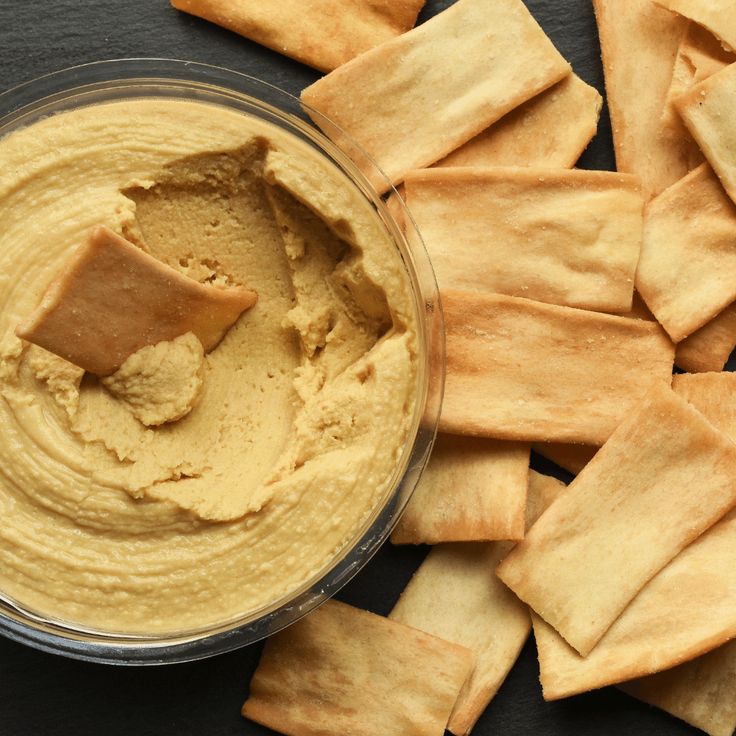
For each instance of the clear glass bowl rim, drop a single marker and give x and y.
(48, 94)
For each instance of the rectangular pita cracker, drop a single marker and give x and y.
(713, 395)
(321, 33)
(663, 478)
(455, 596)
(684, 612)
(421, 110)
(527, 371)
(699, 56)
(687, 267)
(552, 129)
(709, 112)
(554, 235)
(718, 16)
(572, 458)
(709, 348)
(473, 489)
(639, 42)
(701, 693)
(342, 671)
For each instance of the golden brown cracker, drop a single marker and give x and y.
(557, 236)
(407, 111)
(709, 348)
(473, 489)
(713, 395)
(718, 16)
(687, 268)
(552, 129)
(572, 458)
(663, 478)
(321, 33)
(341, 670)
(527, 371)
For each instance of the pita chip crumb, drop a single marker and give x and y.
(421, 110)
(473, 489)
(111, 299)
(321, 33)
(341, 670)
(663, 478)
(554, 235)
(552, 129)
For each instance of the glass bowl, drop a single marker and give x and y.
(126, 79)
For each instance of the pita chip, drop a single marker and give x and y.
(522, 370)
(709, 348)
(342, 671)
(557, 236)
(709, 111)
(321, 33)
(699, 56)
(639, 42)
(111, 299)
(572, 458)
(454, 595)
(473, 489)
(552, 130)
(683, 613)
(663, 478)
(422, 110)
(687, 268)
(701, 693)
(718, 16)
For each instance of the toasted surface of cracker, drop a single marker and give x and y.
(663, 478)
(718, 16)
(342, 671)
(709, 111)
(639, 42)
(523, 370)
(687, 269)
(713, 395)
(473, 489)
(701, 693)
(321, 33)
(454, 595)
(557, 236)
(422, 110)
(709, 348)
(552, 129)
(684, 612)
(111, 299)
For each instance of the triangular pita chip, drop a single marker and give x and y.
(718, 16)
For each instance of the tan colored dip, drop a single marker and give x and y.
(172, 500)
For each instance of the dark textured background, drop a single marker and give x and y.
(41, 694)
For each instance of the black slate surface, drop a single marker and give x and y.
(48, 695)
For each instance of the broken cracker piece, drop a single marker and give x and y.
(663, 478)
(420, 111)
(321, 33)
(687, 268)
(473, 489)
(718, 16)
(342, 671)
(522, 370)
(558, 236)
(552, 129)
(111, 299)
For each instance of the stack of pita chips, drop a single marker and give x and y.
(568, 297)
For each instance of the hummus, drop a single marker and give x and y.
(190, 489)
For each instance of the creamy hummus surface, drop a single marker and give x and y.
(188, 489)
